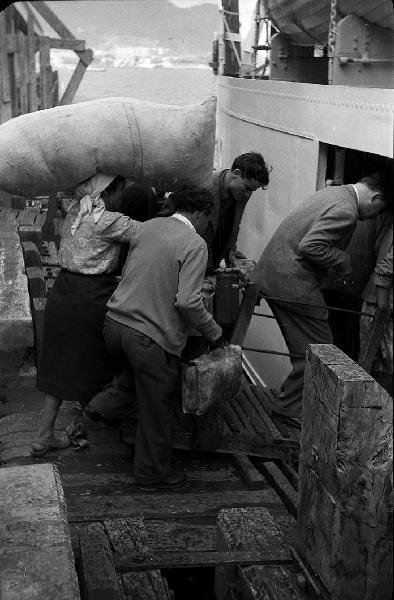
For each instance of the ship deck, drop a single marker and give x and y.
(100, 490)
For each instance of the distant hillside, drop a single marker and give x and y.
(185, 31)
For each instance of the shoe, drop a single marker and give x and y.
(41, 446)
(76, 429)
(173, 481)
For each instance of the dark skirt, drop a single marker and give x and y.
(74, 362)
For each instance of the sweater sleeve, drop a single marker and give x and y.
(189, 301)
(319, 245)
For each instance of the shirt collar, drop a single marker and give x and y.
(184, 220)
(358, 197)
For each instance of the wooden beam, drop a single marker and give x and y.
(245, 314)
(45, 64)
(67, 44)
(254, 530)
(85, 56)
(195, 559)
(57, 25)
(31, 67)
(378, 328)
(98, 575)
(344, 509)
(76, 79)
(5, 87)
(52, 19)
(24, 72)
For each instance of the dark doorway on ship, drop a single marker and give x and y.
(344, 166)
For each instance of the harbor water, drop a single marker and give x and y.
(163, 85)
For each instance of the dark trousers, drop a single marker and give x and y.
(150, 378)
(299, 330)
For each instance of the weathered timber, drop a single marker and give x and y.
(38, 311)
(36, 282)
(254, 529)
(67, 44)
(31, 255)
(5, 84)
(35, 548)
(45, 65)
(378, 328)
(30, 233)
(129, 536)
(345, 495)
(195, 559)
(280, 484)
(290, 474)
(97, 569)
(48, 228)
(250, 475)
(245, 312)
(50, 256)
(31, 43)
(166, 505)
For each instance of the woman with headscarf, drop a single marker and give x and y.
(74, 363)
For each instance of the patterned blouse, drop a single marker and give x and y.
(95, 247)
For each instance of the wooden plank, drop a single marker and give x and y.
(76, 78)
(193, 560)
(378, 327)
(30, 233)
(24, 65)
(280, 484)
(31, 45)
(67, 44)
(49, 255)
(85, 56)
(250, 475)
(128, 536)
(31, 255)
(254, 529)
(164, 506)
(98, 575)
(45, 63)
(36, 282)
(5, 87)
(345, 471)
(245, 314)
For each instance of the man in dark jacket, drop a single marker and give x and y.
(232, 188)
(305, 254)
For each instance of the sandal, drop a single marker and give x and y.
(41, 446)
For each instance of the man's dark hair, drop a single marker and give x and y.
(192, 199)
(253, 166)
(379, 182)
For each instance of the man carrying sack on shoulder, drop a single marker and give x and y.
(157, 300)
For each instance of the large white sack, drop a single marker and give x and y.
(162, 145)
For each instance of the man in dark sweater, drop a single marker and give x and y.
(231, 189)
(305, 254)
(158, 298)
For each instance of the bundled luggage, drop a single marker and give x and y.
(211, 379)
(164, 146)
